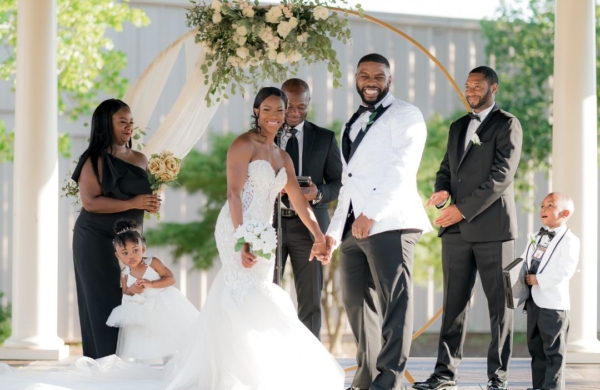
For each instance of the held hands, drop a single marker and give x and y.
(322, 251)
(135, 288)
(148, 202)
(248, 259)
(361, 227)
(438, 198)
(531, 279)
(449, 216)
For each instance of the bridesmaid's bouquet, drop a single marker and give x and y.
(260, 235)
(163, 169)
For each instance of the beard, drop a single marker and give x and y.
(380, 96)
(483, 101)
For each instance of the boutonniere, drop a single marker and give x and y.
(532, 239)
(368, 121)
(475, 139)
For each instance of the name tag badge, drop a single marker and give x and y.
(539, 251)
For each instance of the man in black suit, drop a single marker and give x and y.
(479, 227)
(315, 153)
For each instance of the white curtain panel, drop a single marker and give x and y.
(189, 117)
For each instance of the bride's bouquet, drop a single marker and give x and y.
(260, 235)
(163, 169)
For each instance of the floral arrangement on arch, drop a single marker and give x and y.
(248, 42)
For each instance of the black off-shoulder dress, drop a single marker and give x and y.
(97, 270)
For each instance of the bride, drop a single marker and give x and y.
(247, 336)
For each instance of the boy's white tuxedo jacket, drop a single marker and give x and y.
(381, 178)
(556, 268)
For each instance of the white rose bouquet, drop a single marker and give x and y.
(260, 235)
(163, 169)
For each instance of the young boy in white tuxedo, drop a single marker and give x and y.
(551, 258)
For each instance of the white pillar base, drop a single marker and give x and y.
(21, 353)
(583, 357)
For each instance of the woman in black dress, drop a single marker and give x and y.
(113, 184)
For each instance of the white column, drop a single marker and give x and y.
(575, 161)
(35, 212)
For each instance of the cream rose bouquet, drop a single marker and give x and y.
(260, 235)
(163, 169)
(248, 43)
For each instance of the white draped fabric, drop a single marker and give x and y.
(189, 117)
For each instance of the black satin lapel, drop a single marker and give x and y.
(481, 127)
(361, 134)
(307, 144)
(346, 143)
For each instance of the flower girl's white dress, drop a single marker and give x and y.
(248, 336)
(154, 324)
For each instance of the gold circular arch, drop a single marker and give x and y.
(379, 22)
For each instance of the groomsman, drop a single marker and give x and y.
(315, 153)
(379, 219)
(479, 227)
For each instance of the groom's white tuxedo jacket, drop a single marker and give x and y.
(380, 180)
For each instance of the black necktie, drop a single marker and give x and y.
(292, 148)
(362, 108)
(544, 231)
(474, 116)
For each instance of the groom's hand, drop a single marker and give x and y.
(361, 227)
(438, 199)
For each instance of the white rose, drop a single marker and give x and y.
(248, 12)
(293, 22)
(284, 29)
(239, 39)
(216, 5)
(294, 56)
(241, 30)
(273, 43)
(320, 12)
(242, 52)
(302, 37)
(273, 15)
(217, 18)
(234, 61)
(272, 54)
(281, 58)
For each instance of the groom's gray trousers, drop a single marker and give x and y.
(376, 283)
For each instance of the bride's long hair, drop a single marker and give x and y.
(260, 97)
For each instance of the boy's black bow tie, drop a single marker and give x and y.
(363, 108)
(474, 116)
(544, 231)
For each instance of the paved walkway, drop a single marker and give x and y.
(472, 372)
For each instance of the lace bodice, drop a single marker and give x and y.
(258, 199)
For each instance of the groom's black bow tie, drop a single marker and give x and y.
(544, 231)
(363, 108)
(474, 116)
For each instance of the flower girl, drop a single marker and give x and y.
(154, 316)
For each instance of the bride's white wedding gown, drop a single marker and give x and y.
(248, 336)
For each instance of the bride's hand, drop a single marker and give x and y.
(319, 250)
(248, 259)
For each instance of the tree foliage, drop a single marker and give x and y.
(88, 67)
(521, 41)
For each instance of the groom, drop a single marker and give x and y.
(379, 219)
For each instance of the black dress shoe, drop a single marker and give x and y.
(434, 382)
(497, 384)
(354, 388)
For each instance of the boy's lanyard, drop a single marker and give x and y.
(540, 249)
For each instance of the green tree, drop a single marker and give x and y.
(521, 39)
(88, 66)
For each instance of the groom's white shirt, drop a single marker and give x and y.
(381, 179)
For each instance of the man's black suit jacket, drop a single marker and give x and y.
(480, 182)
(322, 162)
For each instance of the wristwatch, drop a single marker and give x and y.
(319, 196)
